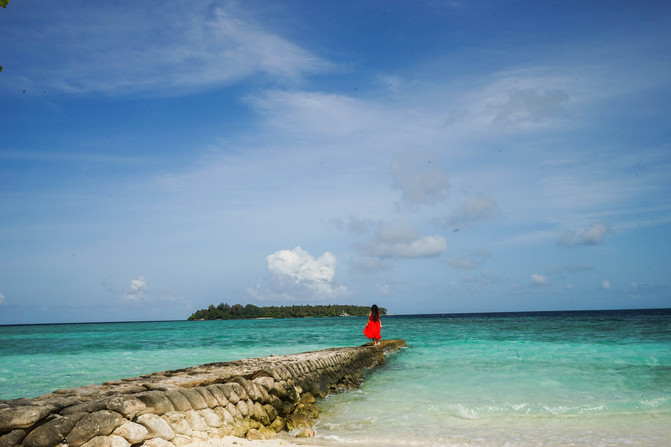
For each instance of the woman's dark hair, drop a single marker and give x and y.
(375, 312)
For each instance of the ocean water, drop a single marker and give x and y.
(550, 379)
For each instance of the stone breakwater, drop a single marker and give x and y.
(253, 398)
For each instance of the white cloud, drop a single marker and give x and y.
(174, 50)
(418, 179)
(2, 299)
(593, 235)
(305, 114)
(475, 209)
(401, 240)
(518, 101)
(530, 107)
(136, 290)
(296, 274)
(539, 280)
(606, 285)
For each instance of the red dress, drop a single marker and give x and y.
(372, 329)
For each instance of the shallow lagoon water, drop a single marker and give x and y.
(601, 378)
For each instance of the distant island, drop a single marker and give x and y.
(238, 312)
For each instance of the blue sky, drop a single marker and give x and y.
(427, 156)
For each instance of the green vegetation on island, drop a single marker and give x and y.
(237, 311)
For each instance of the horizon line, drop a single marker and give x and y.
(482, 313)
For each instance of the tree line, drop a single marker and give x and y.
(237, 311)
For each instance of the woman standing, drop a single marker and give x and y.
(373, 327)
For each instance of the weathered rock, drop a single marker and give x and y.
(158, 442)
(229, 392)
(308, 398)
(127, 406)
(218, 394)
(181, 440)
(270, 411)
(267, 432)
(13, 438)
(210, 401)
(297, 421)
(53, 432)
(156, 426)
(259, 414)
(240, 429)
(118, 441)
(305, 433)
(255, 435)
(211, 418)
(266, 382)
(58, 402)
(195, 420)
(233, 410)
(224, 415)
(22, 416)
(287, 408)
(99, 441)
(177, 421)
(280, 390)
(252, 423)
(278, 424)
(132, 432)
(294, 395)
(179, 401)
(276, 403)
(310, 410)
(239, 390)
(243, 408)
(156, 403)
(99, 423)
(195, 399)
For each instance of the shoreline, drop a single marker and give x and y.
(232, 441)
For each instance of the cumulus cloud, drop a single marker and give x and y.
(539, 280)
(475, 209)
(136, 289)
(593, 235)
(296, 274)
(2, 299)
(606, 285)
(401, 240)
(419, 181)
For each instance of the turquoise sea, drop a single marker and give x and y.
(523, 379)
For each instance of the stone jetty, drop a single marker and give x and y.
(253, 398)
